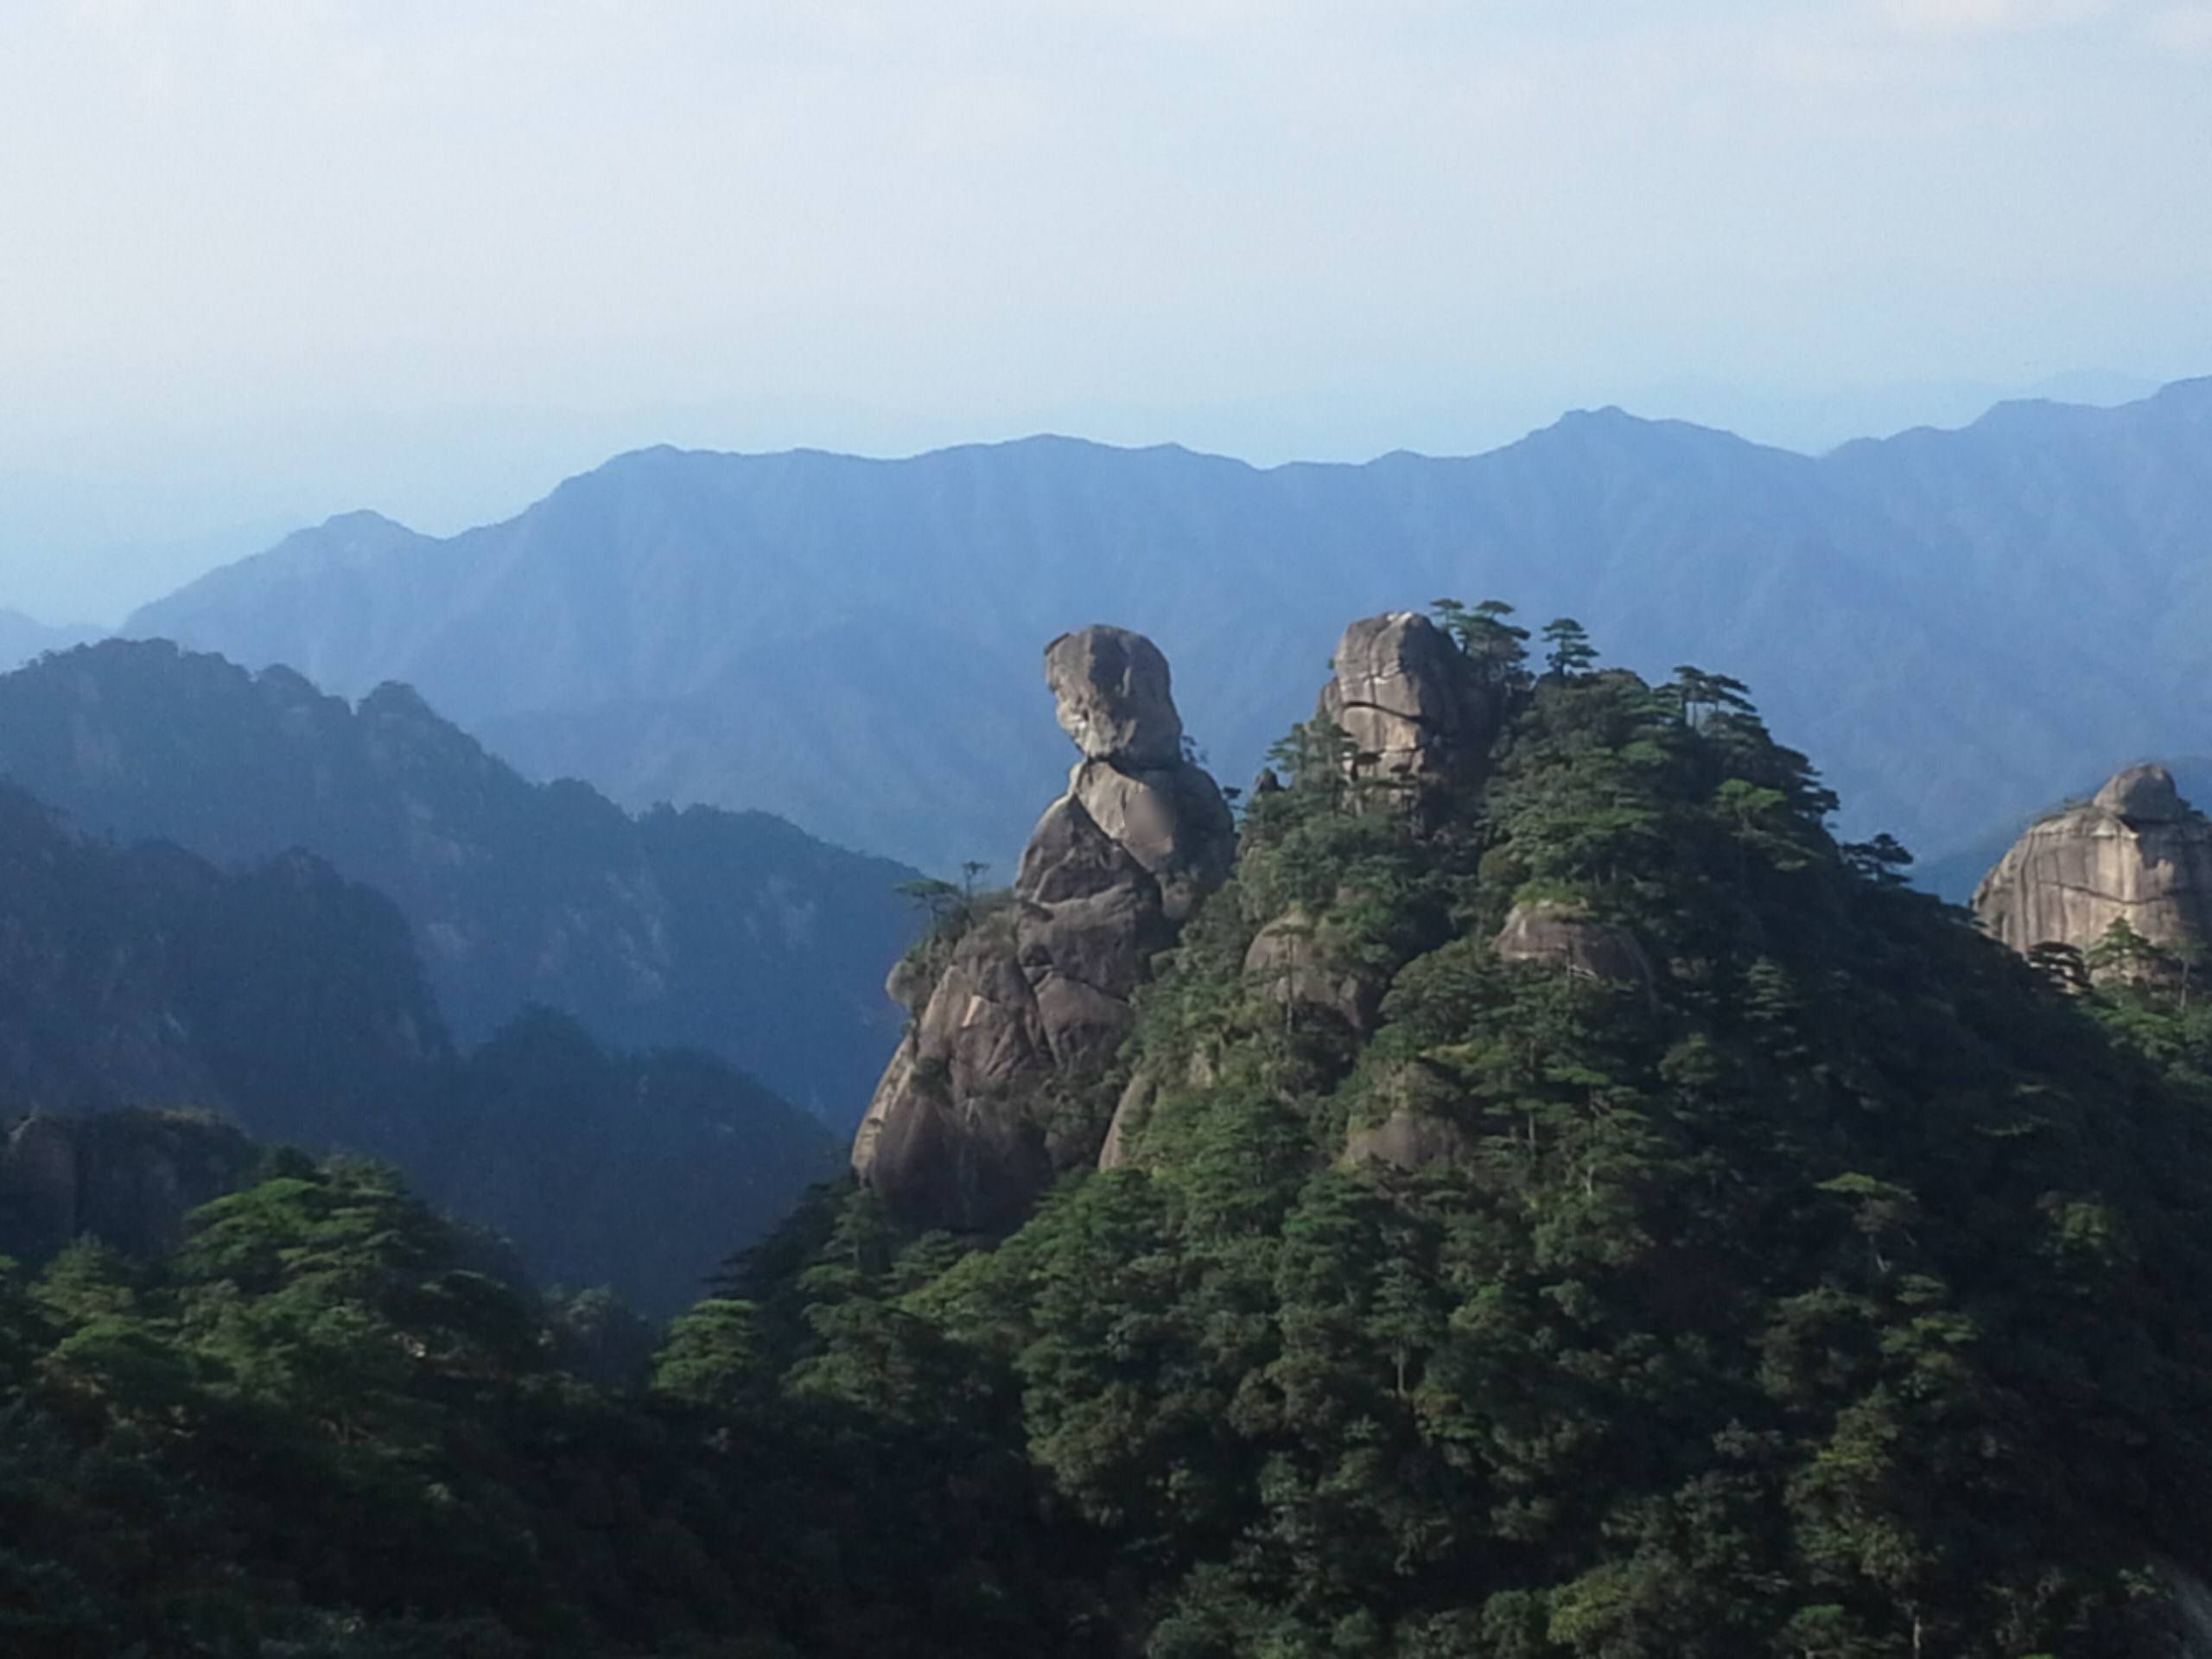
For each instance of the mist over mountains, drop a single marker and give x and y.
(734, 934)
(289, 1001)
(22, 638)
(1954, 620)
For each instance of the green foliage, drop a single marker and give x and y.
(1840, 1291)
(319, 1428)
(1568, 652)
(1496, 649)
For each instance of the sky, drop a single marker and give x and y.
(265, 260)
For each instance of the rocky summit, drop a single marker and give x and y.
(1406, 701)
(2137, 853)
(1021, 1001)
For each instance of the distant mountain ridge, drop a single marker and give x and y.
(1955, 619)
(22, 638)
(730, 933)
(288, 999)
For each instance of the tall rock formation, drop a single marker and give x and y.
(1018, 1016)
(2137, 853)
(1407, 701)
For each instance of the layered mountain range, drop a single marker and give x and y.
(730, 933)
(287, 1000)
(22, 638)
(842, 640)
(1526, 1188)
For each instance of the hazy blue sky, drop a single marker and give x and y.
(263, 259)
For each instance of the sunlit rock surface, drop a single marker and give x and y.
(2137, 853)
(967, 1125)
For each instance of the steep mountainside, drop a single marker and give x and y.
(733, 933)
(148, 976)
(1953, 619)
(289, 999)
(1563, 1204)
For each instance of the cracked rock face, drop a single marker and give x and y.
(2137, 853)
(965, 1129)
(1405, 698)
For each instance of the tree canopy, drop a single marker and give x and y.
(1821, 1279)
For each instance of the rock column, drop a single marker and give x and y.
(968, 1124)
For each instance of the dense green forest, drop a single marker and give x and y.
(1823, 1280)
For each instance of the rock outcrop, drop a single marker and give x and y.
(1291, 960)
(1546, 930)
(2137, 853)
(1409, 702)
(1407, 1141)
(1031, 1002)
(128, 1178)
(1407, 1123)
(1112, 689)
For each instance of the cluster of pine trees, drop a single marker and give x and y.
(1840, 1287)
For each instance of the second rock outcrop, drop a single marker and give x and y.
(2138, 853)
(1408, 702)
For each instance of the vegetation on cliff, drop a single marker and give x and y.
(1834, 1285)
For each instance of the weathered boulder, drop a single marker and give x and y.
(949, 1159)
(1405, 1122)
(2138, 853)
(1405, 698)
(1171, 820)
(2143, 794)
(971, 1120)
(1407, 1140)
(1290, 961)
(1546, 930)
(1130, 1111)
(1113, 691)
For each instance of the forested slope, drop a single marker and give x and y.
(1630, 1225)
